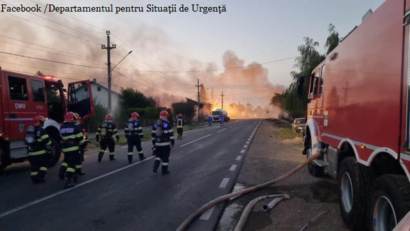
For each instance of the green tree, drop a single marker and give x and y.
(187, 109)
(332, 40)
(131, 98)
(92, 123)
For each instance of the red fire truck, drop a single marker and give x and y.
(22, 97)
(359, 116)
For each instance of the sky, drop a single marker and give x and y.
(254, 31)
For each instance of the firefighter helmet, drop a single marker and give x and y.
(69, 117)
(164, 114)
(39, 120)
(108, 117)
(135, 115)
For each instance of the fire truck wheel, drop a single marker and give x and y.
(314, 170)
(390, 201)
(354, 183)
(55, 154)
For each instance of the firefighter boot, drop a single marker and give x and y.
(112, 157)
(62, 170)
(142, 157)
(68, 183)
(165, 170)
(129, 159)
(100, 156)
(156, 165)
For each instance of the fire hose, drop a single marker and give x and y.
(218, 200)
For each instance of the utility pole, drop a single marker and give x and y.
(108, 48)
(222, 100)
(198, 98)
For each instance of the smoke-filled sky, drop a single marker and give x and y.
(171, 50)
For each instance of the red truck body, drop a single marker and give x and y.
(22, 97)
(358, 116)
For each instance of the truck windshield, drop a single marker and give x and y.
(54, 102)
(216, 113)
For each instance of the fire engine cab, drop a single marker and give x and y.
(22, 97)
(359, 116)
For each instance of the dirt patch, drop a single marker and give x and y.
(268, 158)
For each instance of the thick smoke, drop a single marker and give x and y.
(154, 68)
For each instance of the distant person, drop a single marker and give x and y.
(221, 120)
(209, 120)
(180, 126)
(134, 134)
(105, 135)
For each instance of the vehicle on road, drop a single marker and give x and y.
(22, 97)
(358, 116)
(298, 124)
(218, 112)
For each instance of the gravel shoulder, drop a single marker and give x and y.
(270, 157)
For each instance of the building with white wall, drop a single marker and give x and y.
(100, 94)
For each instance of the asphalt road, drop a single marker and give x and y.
(118, 196)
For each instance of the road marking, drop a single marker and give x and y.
(243, 151)
(233, 167)
(221, 130)
(207, 214)
(195, 140)
(245, 146)
(68, 190)
(247, 142)
(224, 183)
(239, 158)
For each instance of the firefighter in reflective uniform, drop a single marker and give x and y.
(84, 146)
(180, 126)
(105, 135)
(163, 140)
(78, 165)
(134, 134)
(72, 138)
(37, 141)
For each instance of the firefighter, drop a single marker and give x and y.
(134, 134)
(78, 165)
(84, 146)
(72, 138)
(37, 141)
(180, 126)
(209, 120)
(105, 135)
(163, 141)
(221, 120)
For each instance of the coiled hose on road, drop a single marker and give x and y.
(218, 200)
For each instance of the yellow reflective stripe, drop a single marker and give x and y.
(110, 130)
(75, 148)
(69, 137)
(162, 144)
(37, 153)
(79, 135)
(82, 141)
(112, 153)
(172, 137)
(141, 152)
(139, 128)
(70, 170)
(78, 166)
(33, 173)
(44, 136)
(164, 164)
(49, 142)
(115, 130)
(43, 169)
(158, 158)
(97, 133)
(64, 164)
(171, 130)
(130, 153)
(39, 140)
(102, 150)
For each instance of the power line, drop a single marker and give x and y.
(57, 23)
(59, 54)
(41, 46)
(51, 28)
(72, 64)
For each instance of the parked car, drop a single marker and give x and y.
(299, 124)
